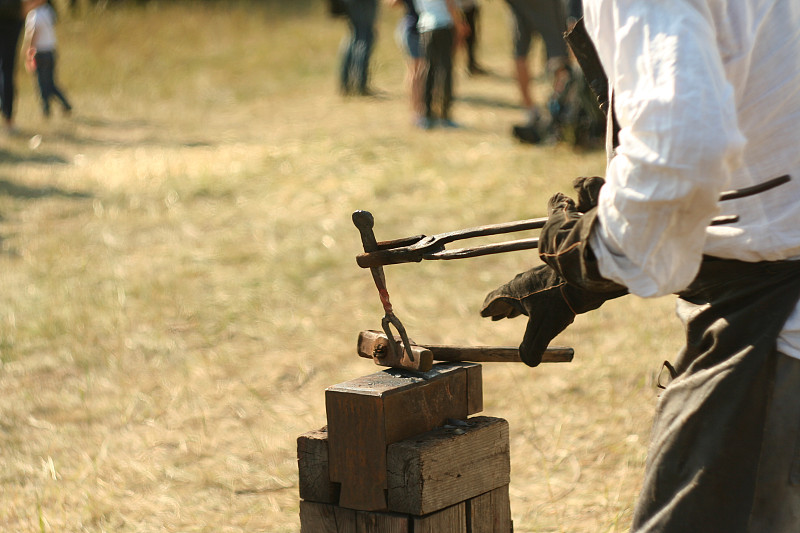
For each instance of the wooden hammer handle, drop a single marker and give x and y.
(495, 354)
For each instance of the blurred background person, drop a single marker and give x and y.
(440, 25)
(546, 19)
(407, 36)
(356, 49)
(10, 30)
(471, 10)
(39, 47)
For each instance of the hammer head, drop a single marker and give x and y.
(375, 345)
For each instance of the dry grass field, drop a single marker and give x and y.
(178, 284)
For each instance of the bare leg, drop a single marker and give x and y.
(523, 82)
(415, 66)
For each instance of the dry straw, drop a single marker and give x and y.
(179, 285)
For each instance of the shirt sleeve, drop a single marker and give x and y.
(30, 23)
(678, 142)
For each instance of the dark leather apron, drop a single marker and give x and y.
(703, 459)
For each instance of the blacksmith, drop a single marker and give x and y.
(706, 96)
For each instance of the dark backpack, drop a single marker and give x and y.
(11, 9)
(336, 8)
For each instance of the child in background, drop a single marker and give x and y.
(39, 48)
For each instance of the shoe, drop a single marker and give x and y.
(527, 133)
(447, 123)
(369, 92)
(424, 123)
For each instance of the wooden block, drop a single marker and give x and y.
(326, 518)
(490, 512)
(367, 414)
(445, 466)
(312, 465)
(450, 520)
(372, 522)
(475, 389)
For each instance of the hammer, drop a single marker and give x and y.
(375, 345)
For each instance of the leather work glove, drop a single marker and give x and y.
(549, 302)
(588, 191)
(551, 295)
(564, 240)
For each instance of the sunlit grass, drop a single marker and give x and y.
(179, 285)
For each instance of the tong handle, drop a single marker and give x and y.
(364, 221)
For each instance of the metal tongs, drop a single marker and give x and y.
(415, 249)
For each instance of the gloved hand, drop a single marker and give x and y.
(564, 240)
(550, 299)
(549, 302)
(588, 191)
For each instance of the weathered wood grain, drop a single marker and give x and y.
(312, 464)
(448, 465)
(372, 522)
(326, 518)
(367, 414)
(450, 520)
(490, 512)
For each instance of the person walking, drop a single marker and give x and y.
(704, 98)
(10, 30)
(39, 46)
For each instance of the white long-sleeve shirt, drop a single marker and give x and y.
(707, 95)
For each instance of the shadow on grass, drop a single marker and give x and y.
(14, 190)
(9, 188)
(132, 132)
(482, 101)
(100, 122)
(7, 156)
